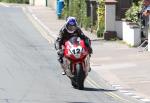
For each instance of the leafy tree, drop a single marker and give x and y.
(15, 1)
(101, 16)
(132, 12)
(77, 8)
(136, 2)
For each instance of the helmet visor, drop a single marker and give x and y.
(72, 27)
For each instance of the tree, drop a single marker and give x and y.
(101, 16)
(77, 8)
(136, 2)
(15, 1)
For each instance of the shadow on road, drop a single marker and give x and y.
(79, 102)
(99, 89)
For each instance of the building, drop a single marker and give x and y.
(51, 3)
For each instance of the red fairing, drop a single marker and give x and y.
(75, 50)
(76, 61)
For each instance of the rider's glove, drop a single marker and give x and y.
(87, 42)
(90, 50)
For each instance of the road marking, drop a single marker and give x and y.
(111, 94)
(45, 27)
(115, 66)
(145, 100)
(38, 27)
(137, 97)
(117, 86)
(129, 94)
(115, 96)
(124, 91)
(90, 83)
(3, 4)
(102, 58)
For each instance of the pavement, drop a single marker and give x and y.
(124, 68)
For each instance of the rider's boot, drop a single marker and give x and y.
(63, 73)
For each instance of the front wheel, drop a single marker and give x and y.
(80, 76)
(74, 84)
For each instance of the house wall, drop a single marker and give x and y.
(131, 34)
(31, 2)
(50, 3)
(40, 2)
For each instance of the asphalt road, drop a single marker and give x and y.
(30, 73)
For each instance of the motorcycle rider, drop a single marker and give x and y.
(68, 30)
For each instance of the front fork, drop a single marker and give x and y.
(70, 68)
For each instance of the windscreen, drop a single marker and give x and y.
(75, 40)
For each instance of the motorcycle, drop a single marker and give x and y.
(76, 61)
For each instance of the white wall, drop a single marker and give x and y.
(31, 2)
(40, 2)
(131, 35)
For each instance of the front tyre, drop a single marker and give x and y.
(74, 84)
(80, 76)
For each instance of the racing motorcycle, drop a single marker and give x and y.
(76, 61)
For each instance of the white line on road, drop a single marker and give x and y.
(4, 5)
(44, 26)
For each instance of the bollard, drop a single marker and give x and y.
(60, 5)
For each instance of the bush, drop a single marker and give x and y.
(132, 12)
(77, 8)
(86, 22)
(101, 20)
(100, 31)
(15, 1)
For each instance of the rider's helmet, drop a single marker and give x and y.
(71, 24)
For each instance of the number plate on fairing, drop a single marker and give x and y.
(76, 51)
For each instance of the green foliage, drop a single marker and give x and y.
(86, 22)
(15, 1)
(101, 15)
(100, 30)
(136, 1)
(77, 8)
(132, 12)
